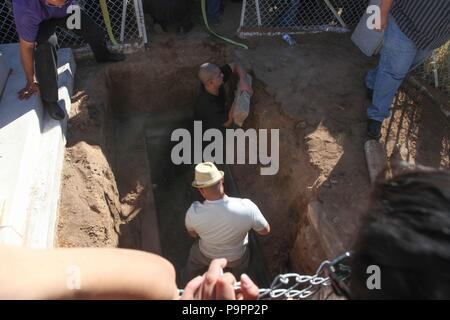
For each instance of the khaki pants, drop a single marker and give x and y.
(198, 264)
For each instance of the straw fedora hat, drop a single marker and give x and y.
(206, 175)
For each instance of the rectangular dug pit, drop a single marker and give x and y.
(154, 193)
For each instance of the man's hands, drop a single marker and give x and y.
(214, 285)
(240, 71)
(29, 90)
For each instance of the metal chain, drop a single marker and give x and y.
(295, 286)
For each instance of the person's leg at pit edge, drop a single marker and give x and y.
(398, 56)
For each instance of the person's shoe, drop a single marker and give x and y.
(54, 111)
(374, 129)
(112, 57)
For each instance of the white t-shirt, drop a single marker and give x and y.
(223, 226)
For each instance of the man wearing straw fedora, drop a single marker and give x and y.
(221, 224)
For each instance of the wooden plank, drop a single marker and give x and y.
(376, 159)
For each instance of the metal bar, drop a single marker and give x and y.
(142, 21)
(124, 17)
(375, 158)
(435, 70)
(138, 20)
(258, 13)
(244, 6)
(338, 17)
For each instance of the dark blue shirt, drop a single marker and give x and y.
(425, 22)
(28, 15)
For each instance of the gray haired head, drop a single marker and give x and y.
(207, 72)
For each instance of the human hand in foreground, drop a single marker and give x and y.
(215, 285)
(30, 89)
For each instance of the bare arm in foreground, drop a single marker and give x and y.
(102, 274)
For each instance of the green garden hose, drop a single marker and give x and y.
(107, 21)
(205, 19)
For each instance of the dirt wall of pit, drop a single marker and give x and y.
(89, 213)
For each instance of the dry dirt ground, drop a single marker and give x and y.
(312, 93)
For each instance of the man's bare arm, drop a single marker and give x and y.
(386, 6)
(27, 60)
(265, 231)
(240, 71)
(90, 273)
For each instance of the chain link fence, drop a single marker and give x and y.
(7, 28)
(297, 16)
(68, 39)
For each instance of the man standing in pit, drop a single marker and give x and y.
(221, 224)
(36, 21)
(413, 29)
(211, 107)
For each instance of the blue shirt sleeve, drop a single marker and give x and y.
(27, 24)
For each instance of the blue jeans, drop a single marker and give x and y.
(213, 11)
(399, 55)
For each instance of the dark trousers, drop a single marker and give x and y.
(45, 59)
(213, 10)
(169, 11)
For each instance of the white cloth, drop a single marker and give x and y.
(223, 226)
(242, 104)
